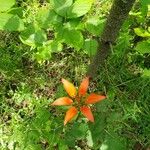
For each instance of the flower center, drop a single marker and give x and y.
(79, 101)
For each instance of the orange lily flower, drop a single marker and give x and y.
(81, 100)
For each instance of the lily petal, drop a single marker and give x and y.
(84, 86)
(70, 114)
(70, 88)
(94, 98)
(62, 101)
(86, 111)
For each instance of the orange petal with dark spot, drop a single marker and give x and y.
(84, 86)
(62, 101)
(70, 114)
(94, 98)
(86, 111)
(70, 88)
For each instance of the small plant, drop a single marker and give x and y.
(81, 100)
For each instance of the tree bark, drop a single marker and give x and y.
(118, 14)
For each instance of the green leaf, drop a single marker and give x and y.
(89, 139)
(62, 145)
(113, 142)
(146, 73)
(123, 42)
(42, 54)
(95, 25)
(10, 22)
(61, 6)
(143, 47)
(6, 4)
(95, 136)
(74, 24)
(78, 131)
(67, 8)
(79, 8)
(73, 38)
(90, 47)
(17, 11)
(46, 18)
(141, 32)
(54, 46)
(144, 7)
(33, 36)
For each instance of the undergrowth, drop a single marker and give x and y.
(27, 88)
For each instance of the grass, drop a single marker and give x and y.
(130, 93)
(25, 98)
(28, 122)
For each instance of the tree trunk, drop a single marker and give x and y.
(118, 14)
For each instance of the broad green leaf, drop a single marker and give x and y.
(98, 134)
(33, 36)
(61, 6)
(42, 54)
(143, 47)
(54, 46)
(6, 4)
(144, 7)
(46, 18)
(90, 47)
(78, 131)
(95, 25)
(141, 32)
(10, 22)
(17, 11)
(79, 8)
(146, 73)
(75, 24)
(71, 37)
